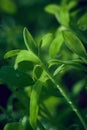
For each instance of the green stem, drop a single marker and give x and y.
(67, 97)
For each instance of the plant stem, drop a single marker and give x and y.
(67, 97)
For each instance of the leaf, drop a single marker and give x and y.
(58, 70)
(25, 55)
(61, 13)
(81, 34)
(11, 53)
(44, 47)
(78, 87)
(34, 103)
(74, 43)
(74, 63)
(14, 78)
(52, 8)
(72, 4)
(13, 126)
(78, 64)
(63, 16)
(82, 22)
(29, 41)
(46, 40)
(56, 45)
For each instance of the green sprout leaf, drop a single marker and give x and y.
(78, 64)
(52, 9)
(46, 40)
(56, 45)
(13, 126)
(61, 13)
(11, 53)
(29, 41)
(72, 4)
(82, 22)
(34, 103)
(25, 55)
(63, 16)
(78, 87)
(58, 70)
(44, 47)
(74, 43)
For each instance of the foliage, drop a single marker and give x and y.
(47, 77)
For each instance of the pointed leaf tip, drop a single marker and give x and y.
(74, 43)
(13, 126)
(11, 53)
(29, 41)
(52, 8)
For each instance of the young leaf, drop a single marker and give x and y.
(52, 9)
(58, 70)
(29, 41)
(82, 22)
(78, 87)
(46, 40)
(74, 43)
(61, 13)
(25, 55)
(72, 4)
(13, 126)
(56, 45)
(11, 53)
(74, 63)
(81, 34)
(34, 103)
(44, 46)
(63, 16)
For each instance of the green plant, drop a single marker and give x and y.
(36, 79)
